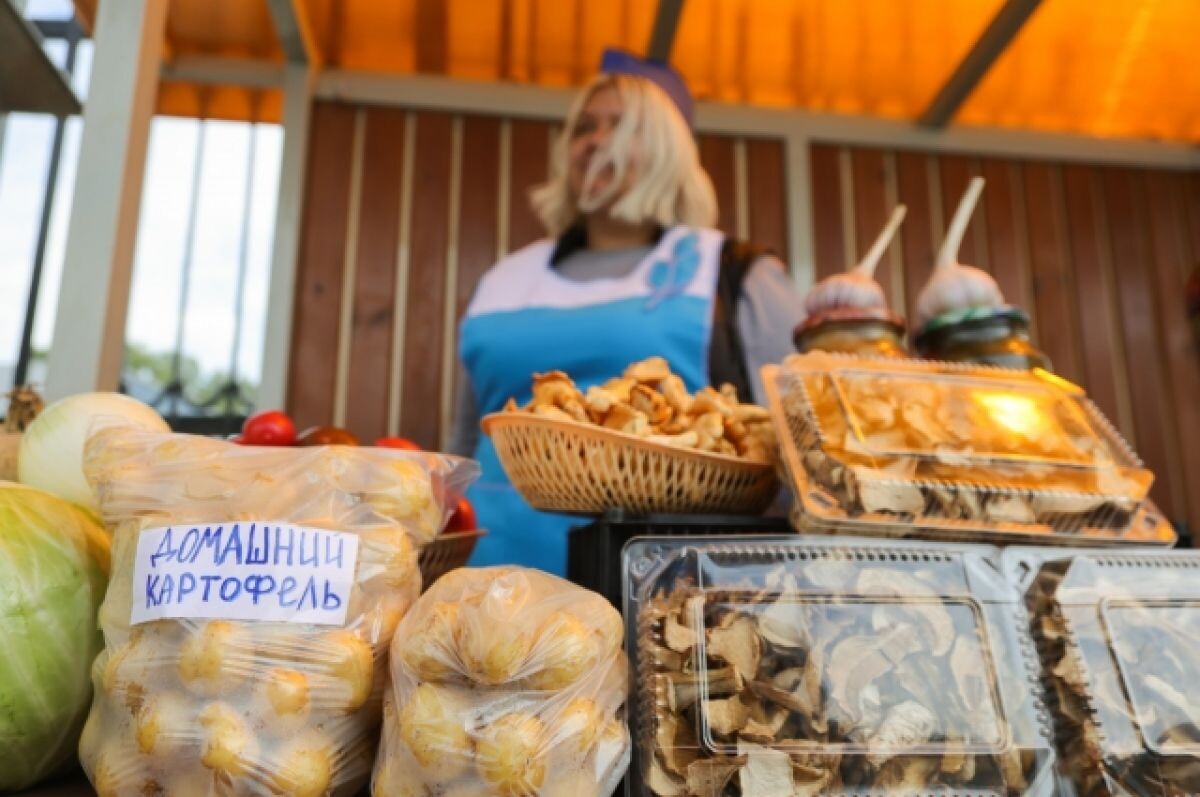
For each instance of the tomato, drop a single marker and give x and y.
(269, 428)
(237, 438)
(397, 442)
(463, 518)
(326, 436)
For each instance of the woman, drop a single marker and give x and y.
(632, 269)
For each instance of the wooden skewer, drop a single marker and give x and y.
(948, 254)
(867, 265)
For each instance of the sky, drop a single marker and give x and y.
(221, 208)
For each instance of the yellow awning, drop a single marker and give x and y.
(1096, 67)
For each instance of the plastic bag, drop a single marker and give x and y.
(253, 595)
(505, 681)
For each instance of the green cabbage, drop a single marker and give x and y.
(53, 565)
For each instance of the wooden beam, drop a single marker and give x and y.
(285, 249)
(89, 329)
(979, 59)
(666, 24)
(29, 80)
(294, 29)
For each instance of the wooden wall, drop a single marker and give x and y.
(407, 209)
(1097, 255)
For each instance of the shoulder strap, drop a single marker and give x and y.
(726, 357)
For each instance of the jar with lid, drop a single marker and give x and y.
(983, 335)
(863, 331)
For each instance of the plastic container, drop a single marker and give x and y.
(1119, 636)
(909, 447)
(869, 331)
(812, 665)
(982, 335)
(594, 550)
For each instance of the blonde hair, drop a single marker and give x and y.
(672, 187)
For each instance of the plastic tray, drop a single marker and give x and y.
(899, 668)
(594, 550)
(1119, 636)
(948, 451)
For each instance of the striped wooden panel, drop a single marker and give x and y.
(421, 391)
(1171, 248)
(1102, 351)
(871, 208)
(1132, 259)
(530, 146)
(1051, 272)
(916, 236)
(424, 238)
(716, 156)
(827, 189)
(1003, 201)
(378, 234)
(766, 194)
(311, 377)
(478, 217)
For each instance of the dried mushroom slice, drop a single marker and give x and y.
(765, 773)
(738, 644)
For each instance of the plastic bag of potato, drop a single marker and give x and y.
(254, 593)
(505, 681)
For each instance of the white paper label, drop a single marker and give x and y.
(250, 570)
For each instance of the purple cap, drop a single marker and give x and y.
(621, 62)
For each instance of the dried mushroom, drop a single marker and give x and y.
(778, 682)
(909, 441)
(1155, 648)
(650, 402)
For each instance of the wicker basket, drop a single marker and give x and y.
(563, 466)
(447, 552)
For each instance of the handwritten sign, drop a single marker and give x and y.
(260, 570)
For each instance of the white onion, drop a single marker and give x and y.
(51, 455)
(953, 286)
(857, 286)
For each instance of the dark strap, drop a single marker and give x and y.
(726, 357)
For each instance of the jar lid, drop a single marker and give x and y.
(849, 314)
(973, 315)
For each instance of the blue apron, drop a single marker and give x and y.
(525, 318)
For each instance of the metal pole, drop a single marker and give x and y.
(243, 264)
(996, 37)
(666, 23)
(24, 354)
(175, 387)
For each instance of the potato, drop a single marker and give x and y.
(509, 755)
(287, 692)
(430, 651)
(216, 657)
(567, 649)
(434, 726)
(305, 767)
(165, 724)
(351, 662)
(229, 747)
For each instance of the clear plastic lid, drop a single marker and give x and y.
(1119, 636)
(797, 666)
(892, 446)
